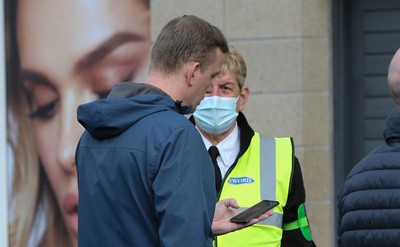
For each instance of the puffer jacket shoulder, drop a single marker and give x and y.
(369, 200)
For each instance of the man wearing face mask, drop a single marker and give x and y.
(251, 167)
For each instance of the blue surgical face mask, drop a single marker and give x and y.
(215, 114)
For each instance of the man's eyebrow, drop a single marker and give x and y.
(227, 83)
(105, 48)
(213, 75)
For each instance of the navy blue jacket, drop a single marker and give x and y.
(369, 200)
(143, 173)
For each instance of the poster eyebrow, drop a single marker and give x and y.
(105, 48)
(31, 75)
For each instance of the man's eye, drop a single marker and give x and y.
(226, 89)
(45, 112)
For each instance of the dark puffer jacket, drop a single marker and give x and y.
(369, 200)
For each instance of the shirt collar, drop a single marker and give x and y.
(228, 148)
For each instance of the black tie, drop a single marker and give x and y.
(214, 153)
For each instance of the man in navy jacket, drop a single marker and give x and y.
(369, 199)
(144, 176)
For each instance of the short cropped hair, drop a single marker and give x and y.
(235, 64)
(184, 39)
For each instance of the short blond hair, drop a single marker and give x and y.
(235, 64)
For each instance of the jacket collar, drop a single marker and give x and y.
(392, 130)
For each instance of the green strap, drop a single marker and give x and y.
(301, 223)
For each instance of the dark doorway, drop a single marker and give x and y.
(366, 34)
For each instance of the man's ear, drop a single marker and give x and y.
(244, 96)
(192, 72)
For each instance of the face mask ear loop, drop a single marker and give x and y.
(237, 99)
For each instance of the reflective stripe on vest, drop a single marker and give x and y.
(263, 172)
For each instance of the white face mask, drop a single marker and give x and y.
(215, 114)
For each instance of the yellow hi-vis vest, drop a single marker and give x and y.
(263, 172)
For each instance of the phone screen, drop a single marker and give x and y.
(254, 211)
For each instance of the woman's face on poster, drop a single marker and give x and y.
(72, 52)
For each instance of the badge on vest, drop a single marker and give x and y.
(240, 180)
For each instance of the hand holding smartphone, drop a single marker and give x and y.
(254, 211)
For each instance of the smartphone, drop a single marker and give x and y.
(254, 211)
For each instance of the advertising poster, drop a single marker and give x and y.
(60, 54)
